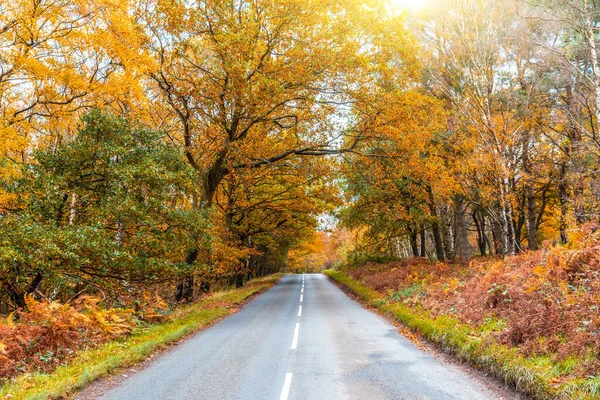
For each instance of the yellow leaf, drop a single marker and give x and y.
(540, 270)
(10, 319)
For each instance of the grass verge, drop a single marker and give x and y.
(471, 345)
(110, 357)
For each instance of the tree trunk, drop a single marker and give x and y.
(423, 243)
(563, 200)
(480, 226)
(487, 241)
(572, 175)
(529, 196)
(413, 242)
(531, 219)
(17, 296)
(448, 235)
(498, 235)
(509, 231)
(437, 237)
(73, 209)
(213, 177)
(462, 234)
(35, 283)
(518, 227)
(578, 199)
(185, 287)
(590, 37)
(239, 279)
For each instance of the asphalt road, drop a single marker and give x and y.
(331, 348)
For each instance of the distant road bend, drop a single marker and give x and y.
(303, 339)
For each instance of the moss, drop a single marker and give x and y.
(534, 375)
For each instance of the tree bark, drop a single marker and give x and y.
(563, 200)
(239, 279)
(498, 235)
(480, 226)
(448, 235)
(509, 230)
(423, 243)
(462, 234)
(17, 296)
(531, 219)
(530, 196)
(185, 287)
(518, 226)
(73, 209)
(413, 242)
(590, 37)
(437, 237)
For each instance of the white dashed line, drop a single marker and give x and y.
(301, 297)
(300, 311)
(302, 291)
(295, 340)
(285, 392)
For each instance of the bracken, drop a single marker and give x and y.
(548, 301)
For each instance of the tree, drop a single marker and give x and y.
(57, 59)
(105, 210)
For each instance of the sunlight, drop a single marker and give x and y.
(408, 4)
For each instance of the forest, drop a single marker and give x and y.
(154, 151)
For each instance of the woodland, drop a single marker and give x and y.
(153, 151)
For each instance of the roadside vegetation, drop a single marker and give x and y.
(155, 151)
(60, 349)
(532, 320)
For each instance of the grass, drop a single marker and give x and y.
(113, 356)
(537, 376)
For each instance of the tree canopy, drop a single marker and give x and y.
(195, 143)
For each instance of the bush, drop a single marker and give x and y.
(49, 333)
(106, 209)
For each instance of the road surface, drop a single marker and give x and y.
(303, 339)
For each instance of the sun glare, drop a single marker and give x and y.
(408, 4)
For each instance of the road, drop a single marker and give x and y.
(303, 339)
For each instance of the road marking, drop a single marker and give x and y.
(301, 297)
(302, 291)
(287, 383)
(300, 311)
(295, 339)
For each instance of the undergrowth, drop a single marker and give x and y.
(482, 344)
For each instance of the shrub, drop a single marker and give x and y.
(49, 333)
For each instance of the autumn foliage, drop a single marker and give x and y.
(49, 333)
(545, 302)
(191, 145)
